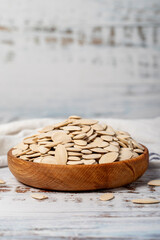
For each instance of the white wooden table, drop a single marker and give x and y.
(91, 58)
(79, 215)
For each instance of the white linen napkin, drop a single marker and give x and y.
(145, 131)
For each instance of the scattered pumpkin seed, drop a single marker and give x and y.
(155, 182)
(39, 196)
(2, 182)
(146, 201)
(106, 196)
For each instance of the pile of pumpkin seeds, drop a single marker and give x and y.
(78, 141)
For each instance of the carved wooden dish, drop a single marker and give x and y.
(78, 177)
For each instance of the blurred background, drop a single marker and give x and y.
(95, 58)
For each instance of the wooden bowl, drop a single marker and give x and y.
(78, 177)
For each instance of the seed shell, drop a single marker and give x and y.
(49, 160)
(73, 158)
(79, 136)
(74, 162)
(39, 196)
(43, 149)
(91, 156)
(137, 150)
(86, 151)
(85, 129)
(98, 150)
(98, 127)
(2, 182)
(61, 154)
(112, 148)
(73, 149)
(107, 138)
(34, 147)
(62, 124)
(74, 117)
(125, 153)
(72, 128)
(74, 154)
(80, 142)
(61, 137)
(106, 196)
(47, 129)
(155, 182)
(146, 201)
(89, 162)
(108, 157)
(21, 146)
(38, 160)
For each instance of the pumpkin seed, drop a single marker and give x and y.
(98, 150)
(61, 154)
(43, 149)
(91, 156)
(74, 117)
(2, 182)
(155, 182)
(47, 129)
(107, 138)
(108, 157)
(22, 146)
(80, 142)
(112, 148)
(72, 128)
(74, 162)
(79, 136)
(49, 160)
(39, 196)
(98, 127)
(106, 196)
(89, 162)
(73, 158)
(85, 129)
(61, 137)
(86, 151)
(73, 149)
(74, 154)
(146, 201)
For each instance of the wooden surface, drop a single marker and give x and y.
(79, 215)
(85, 57)
(78, 177)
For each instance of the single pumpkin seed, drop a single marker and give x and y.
(106, 196)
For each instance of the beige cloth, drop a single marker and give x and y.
(145, 131)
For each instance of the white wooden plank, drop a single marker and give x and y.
(128, 228)
(79, 48)
(79, 214)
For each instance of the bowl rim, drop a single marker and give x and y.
(141, 156)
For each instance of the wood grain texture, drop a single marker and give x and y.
(68, 215)
(81, 56)
(79, 177)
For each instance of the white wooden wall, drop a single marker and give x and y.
(88, 57)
